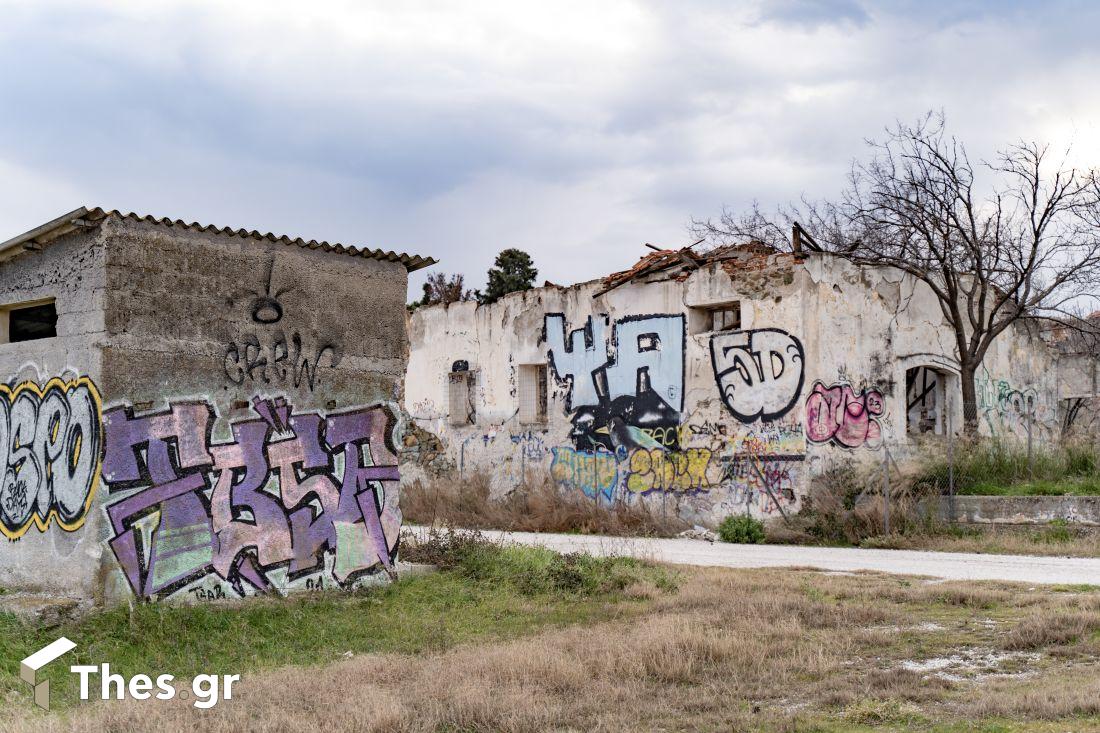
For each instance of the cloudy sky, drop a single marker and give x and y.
(574, 130)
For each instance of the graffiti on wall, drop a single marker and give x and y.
(275, 359)
(659, 470)
(50, 440)
(1008, 410)
(760, 373)
(274, 356)
(843, 417)
(289, 495)
(764, 483)
(622, 387)
(595, 472)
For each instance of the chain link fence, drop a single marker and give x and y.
(1009, 453)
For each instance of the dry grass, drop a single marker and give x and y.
(539, 506)
(1009, 540)
(731, 650)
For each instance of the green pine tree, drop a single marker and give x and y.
(514, 270)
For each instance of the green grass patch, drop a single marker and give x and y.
(1086, 486)
(1075, 588)
(1001, 468)
(491, 592)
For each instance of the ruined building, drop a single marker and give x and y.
(720, 382)
(195, 412)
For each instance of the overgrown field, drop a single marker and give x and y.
(523, 640)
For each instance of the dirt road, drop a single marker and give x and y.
(947, 565)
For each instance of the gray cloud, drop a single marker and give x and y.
(577, 132)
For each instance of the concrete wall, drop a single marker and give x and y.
(723, 422)
(249, 413)
(1020, 510)
(50, 530)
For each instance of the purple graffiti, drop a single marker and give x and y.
(840, 415)
(286, 491)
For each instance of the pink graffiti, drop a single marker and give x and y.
(840, 415)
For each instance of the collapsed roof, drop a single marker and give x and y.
(679, 263)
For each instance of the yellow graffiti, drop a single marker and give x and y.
(79, 444)
(676, 471)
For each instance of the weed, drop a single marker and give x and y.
(742, 529)
(1057, 531)
(533, 570)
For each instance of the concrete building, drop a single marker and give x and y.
(721, 383)
(196, 412)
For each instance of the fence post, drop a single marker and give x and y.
(1030, 454)
(950, 469)
(885, 490)
(596, 478)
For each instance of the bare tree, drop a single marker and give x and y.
(443, 288)
(1021, 244)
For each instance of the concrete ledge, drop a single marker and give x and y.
(1021, 510)
(41, 610)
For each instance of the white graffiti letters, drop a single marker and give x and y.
(50, 442)
(580, 357)
(759, 373)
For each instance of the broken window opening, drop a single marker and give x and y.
(532, 393)
(460, 398)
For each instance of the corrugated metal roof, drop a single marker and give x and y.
(86, 218)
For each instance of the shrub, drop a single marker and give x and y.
(742, 529)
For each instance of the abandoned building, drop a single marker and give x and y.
(718, 383)
(196, 412)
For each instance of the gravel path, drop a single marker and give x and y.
(947, 565)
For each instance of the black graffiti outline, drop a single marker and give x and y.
(255, 358)
(267, 309)
(589, 343)
(760, 414)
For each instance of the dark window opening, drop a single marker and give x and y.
(33, 322)
(925, 401)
